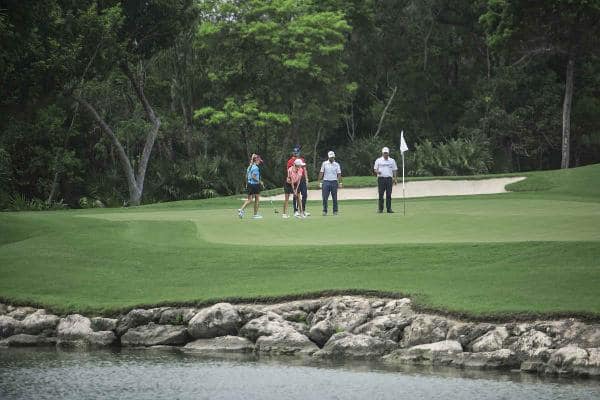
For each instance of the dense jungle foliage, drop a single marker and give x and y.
(107, 102)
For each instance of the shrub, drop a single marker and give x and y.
(455, 157)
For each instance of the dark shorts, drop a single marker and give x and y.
(253, 188)
(287, 188)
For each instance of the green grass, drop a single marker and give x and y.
(534, 251)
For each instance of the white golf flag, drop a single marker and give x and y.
(403, 146)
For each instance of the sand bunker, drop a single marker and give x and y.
(421, 189)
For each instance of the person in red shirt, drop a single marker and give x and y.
(287, 186)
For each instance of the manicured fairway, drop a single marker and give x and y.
(526, 252)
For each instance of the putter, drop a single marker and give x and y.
(274, 209)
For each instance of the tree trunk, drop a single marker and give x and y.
(566, 120)
(135, 183)
(382, 117)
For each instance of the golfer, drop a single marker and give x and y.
(287, 188)
(295, 176)
(386, 170)
(331, 173)
(253, 186)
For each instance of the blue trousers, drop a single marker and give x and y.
(330, 187)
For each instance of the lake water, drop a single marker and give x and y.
(168, 374)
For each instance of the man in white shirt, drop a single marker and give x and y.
(386, 170)
(331, 173)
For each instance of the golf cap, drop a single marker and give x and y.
(331, 154)
(299, 162)
(385, 150)
(296, 150)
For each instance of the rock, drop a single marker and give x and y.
(528, 346)
(300, 327)
(3, 309)
(297, 316)
(389, 327)
(138, 317)
(76, 331)
(345, 344)
(321, 332)
(25, 340)
(465, 333)
(177, 316)
(248, 312)
(267, 325)
(285, 342)
(589, 336)
(103, 324)
(19, 313)
(396, 306)
(570, 332)
(219, 320)
(532, 366)
(9, 326)
(566, 359)
(220, 345)
(291, 307)
(343, 313)
(439, 353)
(153, 335)
(40, 322)
(499, 359)
(593, 362)
(425, 329)
(491, 341)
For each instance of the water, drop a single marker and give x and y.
(154, 374)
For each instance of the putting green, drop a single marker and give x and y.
(456, 220)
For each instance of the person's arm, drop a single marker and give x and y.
(339, 175)
(376, 168)
(395, 171)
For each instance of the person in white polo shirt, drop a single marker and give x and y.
(331, 173)
(386, 170)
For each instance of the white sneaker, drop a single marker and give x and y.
(257, 216)
(306, 214)
(296, 214)
(240, 213)
(285, 216)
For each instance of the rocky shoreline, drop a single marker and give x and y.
(348, 327)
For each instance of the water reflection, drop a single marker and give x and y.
(171, 374)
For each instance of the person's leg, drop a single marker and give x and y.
(334, 188)
(256, 202)
(325, 195)
(381, 189)
(304, 192)
(285, 203)
(295, 203)
(388, 195)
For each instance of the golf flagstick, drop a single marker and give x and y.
(403, 148)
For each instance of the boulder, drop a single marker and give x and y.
(465, 333)
(220, 345)
(297, 316)
(292, 307)
(25, 340)
(19, 313)
(342, 313)
(3, 309)
(593, 362)
(300, 327)
(138, 317)
(321, 332)
(499, 359)
(76, 331)
(530, 345)
(389, 327)
(9, 326)
(396, 306)
(267, 325)
(248, 312)
(491, 341)
(439, 353)
(219, 320)
(103, 324)
(425, 329)
(567, 360)
(348, 345)
(570, 332)
(177, 316)
(39, 322)
(285, 342)
(153, 335)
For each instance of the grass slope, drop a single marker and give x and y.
(532, 251)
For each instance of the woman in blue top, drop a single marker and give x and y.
(252, 185)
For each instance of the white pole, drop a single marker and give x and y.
(403, 188)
